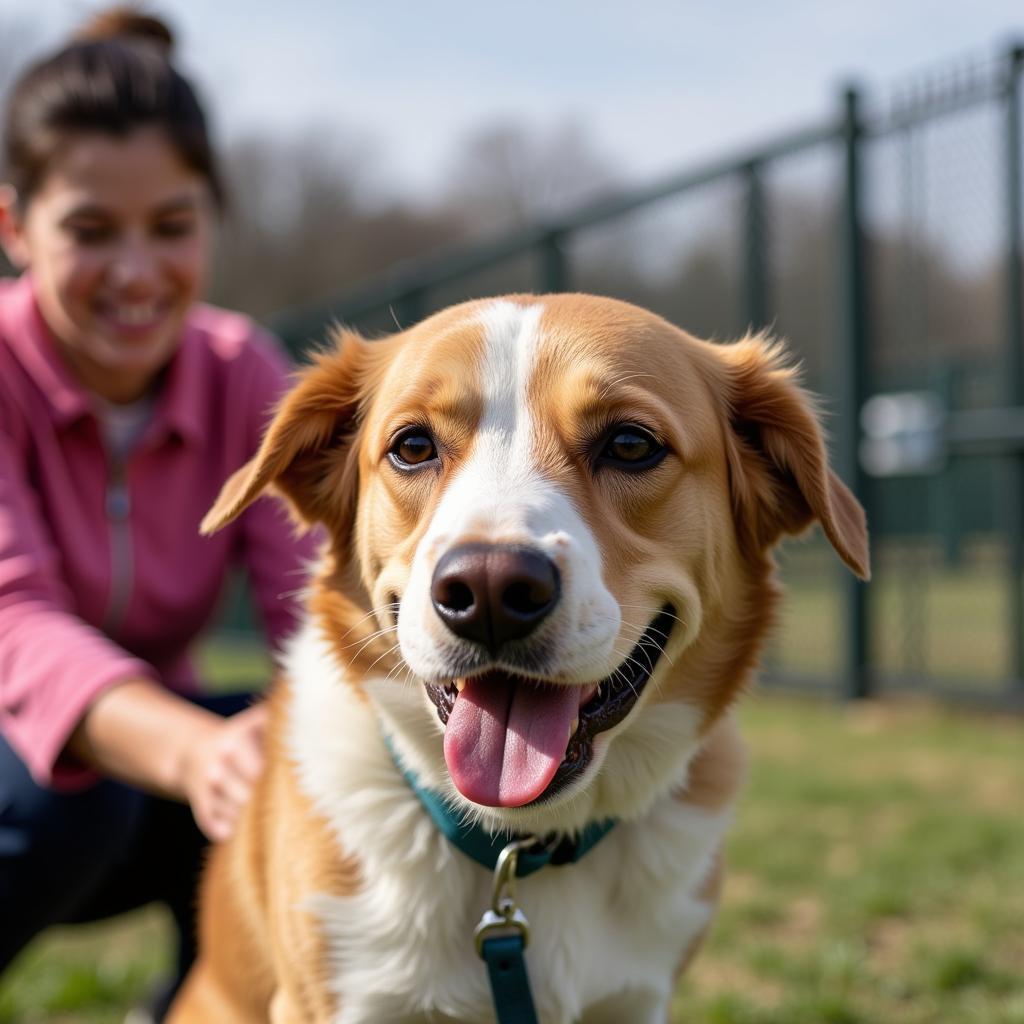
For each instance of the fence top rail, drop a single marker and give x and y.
(738, 163)
(908, 118)
(917, 101)
(434, 269)
(947, 89)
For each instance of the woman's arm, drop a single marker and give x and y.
(145, 735)
(65, 688)
(53, 665)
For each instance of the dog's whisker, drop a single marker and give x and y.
(369, 639)
(664, 611)
(389, 651)
(362, 648)
(373, 635)
(650, 643)
(618, 674)
(638, 629)
(402, 666)
(393, 674)
(370, 614)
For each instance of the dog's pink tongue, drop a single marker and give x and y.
(505, 738)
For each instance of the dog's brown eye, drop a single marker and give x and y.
(413, 448)
(631, 447)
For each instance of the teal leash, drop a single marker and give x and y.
(503, 932)
(501, 938)
(510, 985)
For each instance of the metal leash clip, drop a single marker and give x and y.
(504, 917)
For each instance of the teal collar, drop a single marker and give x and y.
(484, 847)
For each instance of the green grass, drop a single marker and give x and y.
(89, 973)
(876, 873)
(875, 876)
(928, 618)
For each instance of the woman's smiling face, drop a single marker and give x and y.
(117, 238)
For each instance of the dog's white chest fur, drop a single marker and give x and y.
(607, 933)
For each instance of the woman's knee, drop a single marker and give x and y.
(56, 849)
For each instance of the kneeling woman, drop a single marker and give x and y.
(124, 404)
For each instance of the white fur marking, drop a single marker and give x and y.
(500, 494)
(402, 947)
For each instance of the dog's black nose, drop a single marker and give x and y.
(492, 593)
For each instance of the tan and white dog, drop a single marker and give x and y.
(547, 580)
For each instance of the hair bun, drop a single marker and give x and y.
(127, 24)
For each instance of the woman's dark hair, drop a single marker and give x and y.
(114, 76)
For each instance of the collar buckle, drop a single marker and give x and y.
(506, 922)
(504, 918)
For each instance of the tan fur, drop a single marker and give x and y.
(259, 947)
(748, 465)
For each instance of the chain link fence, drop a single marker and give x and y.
(886, 248)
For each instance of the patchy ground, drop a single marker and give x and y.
(876, 876)
(877, 872)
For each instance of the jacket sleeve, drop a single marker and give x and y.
(277, 560)
(52, 664)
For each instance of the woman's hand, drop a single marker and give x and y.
(221, 768)
(143, 734)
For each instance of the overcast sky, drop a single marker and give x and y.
(659, 84)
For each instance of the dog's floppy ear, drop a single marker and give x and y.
(778, 465)
(305, 453)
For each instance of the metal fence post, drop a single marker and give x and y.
(1015, 356)
(853, 384)
(755, 277)
(554, 264)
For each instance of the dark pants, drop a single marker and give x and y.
(67, 858)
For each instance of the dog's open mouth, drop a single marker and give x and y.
(511, 740)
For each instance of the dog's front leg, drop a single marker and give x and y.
(286, 1009)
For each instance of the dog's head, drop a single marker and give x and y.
(549, 529)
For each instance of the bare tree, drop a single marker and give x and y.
(508, 174)
(304, 225)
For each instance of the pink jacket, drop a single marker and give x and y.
(103, 574)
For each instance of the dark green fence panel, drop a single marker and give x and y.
(886, 246)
